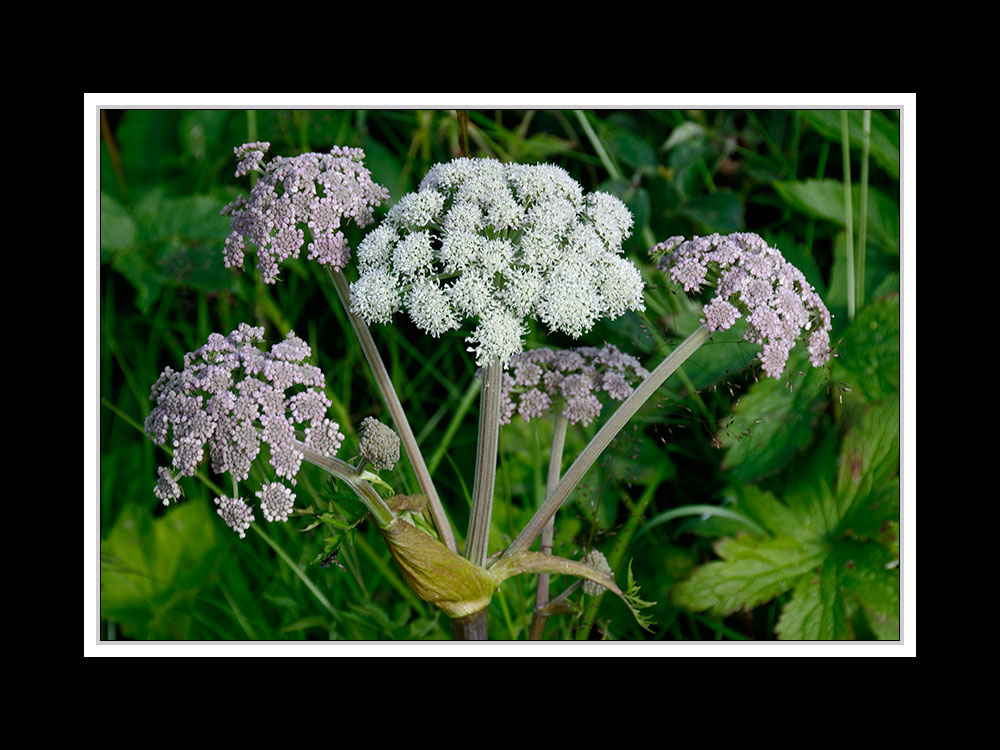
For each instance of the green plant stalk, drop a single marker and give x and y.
(539, 618)
(477, 539)
(384, 384)
(845, 150)
(355, 479)
(866, 128)
(602, 154)
(616, 422)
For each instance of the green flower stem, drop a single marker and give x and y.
(866, 127)
(845, 150)
(486, 464)
(604, 436)
(354, 479)
(548, 531)
(385, 387)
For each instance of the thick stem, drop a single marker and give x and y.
(470, 628)
(604, 436)
(406, 436)
(539, 618)
(486, 464)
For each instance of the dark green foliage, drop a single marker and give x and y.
(802, 473)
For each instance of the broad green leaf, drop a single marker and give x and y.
(884, 136)
(753, 570)
(631, 150)
(152, 570)
(868, 354)
(721, 211)
(881, 275)
(816, 611)
(684, 132)
(795, 520)
(773, 421)
(118, 230)
(824, 199)
(869, 459)
(863, 573)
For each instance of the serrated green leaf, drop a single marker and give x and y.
(799, 519)
(773, 421)
(868, 354)
(816, 611)
(869, 461)
(862, 571)
(753, 570)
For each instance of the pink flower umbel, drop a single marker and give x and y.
(755, 282)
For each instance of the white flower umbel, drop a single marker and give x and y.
(492, 244)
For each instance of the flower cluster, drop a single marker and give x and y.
(571, 378)
(497, 243)
(230, 397)
(379, 444)
(753, 281)
(312, 192)
(596, 559)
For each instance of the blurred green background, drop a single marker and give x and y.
(751, 508)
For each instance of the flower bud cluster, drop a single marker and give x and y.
(312, 192)
(570, 379)
(497, 243)
(230, 397)
(596, 559)
(753, 281)
(378, 445)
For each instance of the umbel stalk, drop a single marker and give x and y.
(604, 436)
(406, 436)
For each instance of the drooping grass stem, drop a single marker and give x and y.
(486, 464)
(616, 422)
(388, 392)
(548, 531)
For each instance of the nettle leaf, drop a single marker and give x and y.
(754, 569)
(774, 420)
(868, 354)
(816, 610)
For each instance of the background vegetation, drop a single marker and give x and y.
(751, 508)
